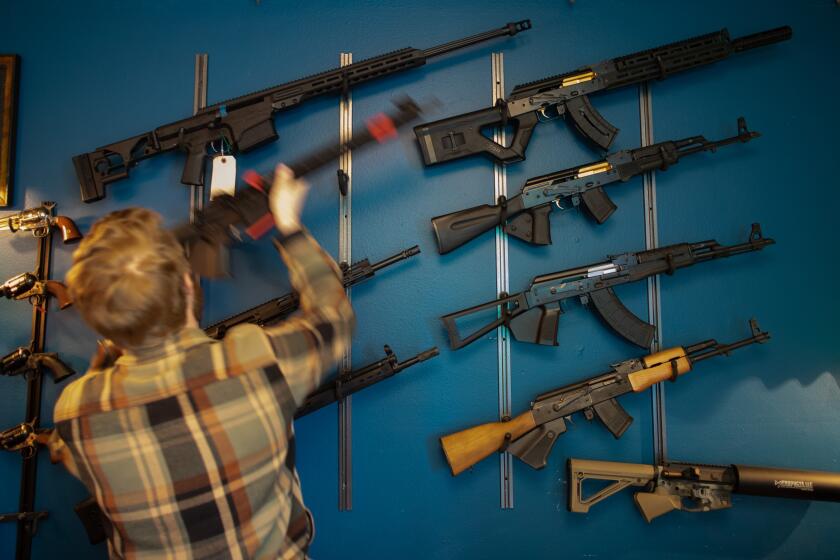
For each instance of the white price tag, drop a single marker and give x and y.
(223, 179)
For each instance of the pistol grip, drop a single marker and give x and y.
(534, 447)
(193, 173)
(538, 325)
(532, 226)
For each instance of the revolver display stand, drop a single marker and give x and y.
(27, 518)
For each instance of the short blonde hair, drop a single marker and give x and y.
(127, 278)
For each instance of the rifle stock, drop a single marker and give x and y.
(466, 448)
(457, 228)
(622, 475)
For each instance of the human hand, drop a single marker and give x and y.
(286, 199)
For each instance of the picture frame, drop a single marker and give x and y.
(9, 80)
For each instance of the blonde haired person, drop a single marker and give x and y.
(186, 442)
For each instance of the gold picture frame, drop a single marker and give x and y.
(9, 77)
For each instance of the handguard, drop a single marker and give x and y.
(460, 136)
(610, 309)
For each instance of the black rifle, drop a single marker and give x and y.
(351, 382)
(533, 315)
(247, 122)
(526, 215)
(695, 487)
(531, 435)
(247, 212)
(276, 309)
(23, 362)
(567, 94)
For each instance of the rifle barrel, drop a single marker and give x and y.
(698, 352)
(510, 29)
(421, 357)
(401, 256)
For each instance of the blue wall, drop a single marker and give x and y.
(95, 72)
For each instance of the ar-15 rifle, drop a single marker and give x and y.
(248, 209)
(567, 94)
(533, 315)
(39, 221)
(26, 286)
(526, 215)
(276, 309)
(531, 435)
(247, 122)
(695, 487)
(22, 362)
(354, 381)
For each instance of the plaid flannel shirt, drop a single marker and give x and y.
(188, 446)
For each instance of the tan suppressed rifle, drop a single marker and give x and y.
(694, 487)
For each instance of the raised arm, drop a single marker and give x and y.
(309, 343)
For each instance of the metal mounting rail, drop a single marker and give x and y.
(502, 286)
